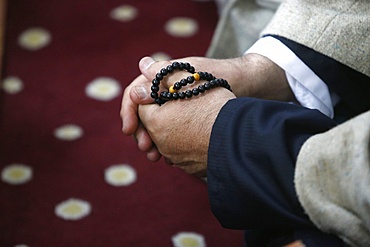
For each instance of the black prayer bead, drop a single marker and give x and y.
(164, 71)
(183, 82)
(159, 76)
(154, 95)
(168, 95)
(155, 89)
(163, 94)
(190, 79)
(195, 91)
(175, 96)
(181, 95)
(160, 101)
(155, 82)
(188, 93)
(176, 65)
(186, 66)
(201, 88)
(169, 68)
(177, 85)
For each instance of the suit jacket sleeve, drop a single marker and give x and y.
(251, 161)
(350, 85)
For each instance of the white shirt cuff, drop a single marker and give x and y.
(309, 90)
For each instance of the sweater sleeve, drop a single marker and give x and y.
(338, 29)
(251, 161)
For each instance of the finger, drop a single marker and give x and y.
(144, 141)
(140, 94)
(153, 155)
(149, 147)
(129, 107)
(149, 67)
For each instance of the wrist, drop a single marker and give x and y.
(254, 75)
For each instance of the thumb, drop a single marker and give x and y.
(149, 68)
(140, 95)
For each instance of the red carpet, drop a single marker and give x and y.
(59, 132)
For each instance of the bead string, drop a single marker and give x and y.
(173, 94)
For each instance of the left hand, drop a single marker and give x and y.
(181, 129)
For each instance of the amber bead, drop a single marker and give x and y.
(172, 89)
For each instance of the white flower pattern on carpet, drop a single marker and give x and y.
(120, 175)
(34, 38)
(46, 40)
(16, 174)
(124, 13)
(73, 209)
(103, 88)
(188, 239)
(181, 27)
(12, 85)
(68, 132)
(160, 56)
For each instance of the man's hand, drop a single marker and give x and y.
(181, 129)
(251, 75)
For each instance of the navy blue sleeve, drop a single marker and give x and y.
(350, 85)
(251, 159)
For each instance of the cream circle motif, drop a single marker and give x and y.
(120, 175)
(181, 27)
(124, 13)
(16, 174)
(34, 39)
(72, 209)
(68, 132)
(160, 56)
(188, 239)
(12, 85)
(103, 88)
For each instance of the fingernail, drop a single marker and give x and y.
(141, 92)
(146, 62)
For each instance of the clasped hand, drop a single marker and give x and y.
(180, 130)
